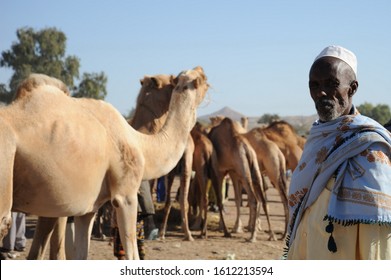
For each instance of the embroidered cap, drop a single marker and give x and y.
(341, 53)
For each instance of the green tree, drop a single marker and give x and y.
(268, 118)
(92, 86)
(43, 52)
(365, 109)
(4, 94)
(380, 113)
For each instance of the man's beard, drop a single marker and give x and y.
(329, 110)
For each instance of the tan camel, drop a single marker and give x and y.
(291, 144)
(234, 155)
(272, 164)
(46, 169)
(150, 115)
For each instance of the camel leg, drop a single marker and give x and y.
(126, 211)
(203, 181)
(184, 194)
(278, 179)
(57, 241)
(83, 229)
(253, 217)
(43, 232)
(7, 158)
(265, 207)
(284, 199)
(217, 182)
(260, 195)
(238, 228)
(204, 205)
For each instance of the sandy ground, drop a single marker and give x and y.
(215, 247)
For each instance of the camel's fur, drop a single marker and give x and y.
(62, 156)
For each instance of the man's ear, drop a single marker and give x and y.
(353, 88)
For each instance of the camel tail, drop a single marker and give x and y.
(259, 189)
(283, 183)
(7, 159)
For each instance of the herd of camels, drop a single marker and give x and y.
(63, 156)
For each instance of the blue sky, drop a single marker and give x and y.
(256, 54)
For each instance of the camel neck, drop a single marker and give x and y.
(163, 150)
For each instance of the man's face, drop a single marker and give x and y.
(330, 87)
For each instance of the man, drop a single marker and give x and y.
(340, 193)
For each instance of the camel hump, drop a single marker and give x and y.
(35, 80)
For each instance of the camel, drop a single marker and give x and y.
(272, 164)
(149, 117)
(291, 144)
(234, 155)
(47, 170)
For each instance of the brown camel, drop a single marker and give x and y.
(291, 144)
(234, 155)
(44, 130)
(272, 164)
(150, 115)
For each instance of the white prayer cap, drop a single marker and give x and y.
(341, 53)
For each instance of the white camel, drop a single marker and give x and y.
(62, 156)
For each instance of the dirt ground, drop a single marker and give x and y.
(215, 247)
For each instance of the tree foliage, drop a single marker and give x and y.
(92, 85)
(43, 52)
(268, 118)
(380, 113)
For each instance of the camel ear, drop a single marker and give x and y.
(156, 82)
(173, 80)
(144, 80)
(196, 83)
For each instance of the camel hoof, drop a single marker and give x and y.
(237, 230)
(272, 238)
(188, 238)
(283, 237)
(251, 240)
(228, 235)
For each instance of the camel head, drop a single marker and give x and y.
(152, 103)
(193, 79)
(191, 87)
(216, 120)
